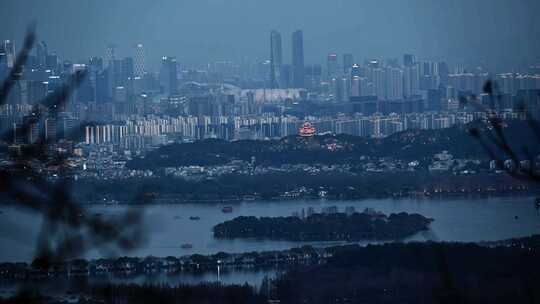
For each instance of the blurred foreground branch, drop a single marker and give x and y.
(67, 231)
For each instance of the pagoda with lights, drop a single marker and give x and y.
(307, 130)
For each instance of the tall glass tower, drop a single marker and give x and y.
(331, 66)
(139, 60)
(168, 75)
(275, 59)
(298, 59)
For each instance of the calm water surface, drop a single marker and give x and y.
(169, 226)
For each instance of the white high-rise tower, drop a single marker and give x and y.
(139, 60)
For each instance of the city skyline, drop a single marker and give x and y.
(464, 33)
(220, 151)
(138, 52)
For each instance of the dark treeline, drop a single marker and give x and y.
(390, 273)
(273, 185)
(209, 293)
(417, 273)
(143, 294)
(407, 145)
(325, 227)
(131, 267)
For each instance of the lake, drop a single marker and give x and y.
(170, 226)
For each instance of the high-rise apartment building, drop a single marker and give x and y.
(411, 80)
(394, 83)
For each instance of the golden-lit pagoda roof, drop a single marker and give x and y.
(307, 130)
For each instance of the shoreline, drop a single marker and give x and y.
(196, 264)
(433, 197)
(426, 198)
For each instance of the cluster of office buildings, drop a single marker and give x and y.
(122, 101)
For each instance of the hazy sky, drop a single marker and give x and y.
(197, 31)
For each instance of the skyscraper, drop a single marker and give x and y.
(313, 75)
(348, 61)
(408, 60)
(331, 66)
(411, 81)
(8, 46)
(96, 64)
(103, 89)
(110, 55)
(127, 70)
(356, 70)
(378, 79)
(139, 60)
(3, 64)
(443, 72)
(168, 76)
(41, 54)
(52, 62)
(394, 83)
(298, 59)
(275, 59)
(123, 74)
(286, 76)
(355, 86)
(110, 59)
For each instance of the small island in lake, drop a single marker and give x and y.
(327, 226)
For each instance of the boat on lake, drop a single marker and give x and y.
(227, 209)
(194, 218)
(249, 198)
(186, 246)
